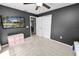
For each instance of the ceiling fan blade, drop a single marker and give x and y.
(37, 7)
(28, 3)
(45, 5)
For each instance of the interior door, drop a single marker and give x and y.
(46, 26)
(43, 25)
(39, 26)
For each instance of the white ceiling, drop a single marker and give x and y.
(31, 7)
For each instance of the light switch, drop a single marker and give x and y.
(61, 37)
(27, 26)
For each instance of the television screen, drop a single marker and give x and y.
(0, 22)
(13, 22)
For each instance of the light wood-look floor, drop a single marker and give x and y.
(4, 48)
(39, 46)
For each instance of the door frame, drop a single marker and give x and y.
(30, 24)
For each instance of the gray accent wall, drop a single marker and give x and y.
(6, 11)
(65, 23)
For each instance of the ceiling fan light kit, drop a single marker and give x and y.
(39, 5)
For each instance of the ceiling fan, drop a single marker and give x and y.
(38, 6)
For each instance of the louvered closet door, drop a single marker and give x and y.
(39, 26)
(43, 26)
(46, 26)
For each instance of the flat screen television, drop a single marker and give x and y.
(13, 22)
(0, 22)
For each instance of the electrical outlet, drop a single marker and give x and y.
(61, 37)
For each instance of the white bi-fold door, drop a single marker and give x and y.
(43, 26)
(39, 26)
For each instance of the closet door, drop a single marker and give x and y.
(46, 26)
(43, 26)
(38, 26)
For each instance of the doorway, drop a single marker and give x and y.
(32, 25)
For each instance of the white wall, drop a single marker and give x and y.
(43, 26)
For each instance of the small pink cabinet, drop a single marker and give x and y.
(16, 39)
